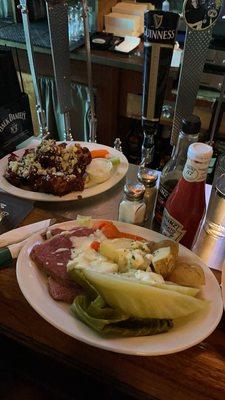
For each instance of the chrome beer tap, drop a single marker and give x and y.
(31, 58)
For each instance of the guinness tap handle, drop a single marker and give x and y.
(159, 38)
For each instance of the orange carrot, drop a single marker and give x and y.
(95, 245)
(99, 153)
(130, 236)
(100, 224)
(112, 232)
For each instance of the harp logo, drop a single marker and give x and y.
(158, 20)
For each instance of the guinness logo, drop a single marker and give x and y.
(158, 20)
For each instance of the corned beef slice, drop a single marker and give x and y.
(55, 231)
(53, 255)
(63, 293)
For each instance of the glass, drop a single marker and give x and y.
(215, 217)
(6, 11)
(219, 170)
(75, 22)
(210, 243)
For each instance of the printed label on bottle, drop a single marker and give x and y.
(163, 194)
(171, 227)
(195, 171)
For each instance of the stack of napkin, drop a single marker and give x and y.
(12, 242)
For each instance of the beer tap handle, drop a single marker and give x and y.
(57, 15)
(199, 19)
(159, 38)
(31, 58)
(92, 115)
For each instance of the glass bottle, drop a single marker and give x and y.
(132, 207)
(185, 207)
(172, 171)
(148, 178)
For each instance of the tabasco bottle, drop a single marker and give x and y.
(185, 207)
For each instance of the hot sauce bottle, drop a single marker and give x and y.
(185, 207)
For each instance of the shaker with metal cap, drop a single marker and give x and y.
(132, 207)
(148, 178)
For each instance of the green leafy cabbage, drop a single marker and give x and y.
(111, 322)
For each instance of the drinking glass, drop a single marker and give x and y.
(75, 22)
(219, 170)
(210, 244)
(215, 217)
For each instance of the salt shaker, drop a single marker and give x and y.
(132, 208)
(148, 178)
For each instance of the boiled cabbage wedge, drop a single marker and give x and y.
(78, 276)
(140, 300)
(111, 322)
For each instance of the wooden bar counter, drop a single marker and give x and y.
(197, 373)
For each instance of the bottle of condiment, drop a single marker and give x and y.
(148, 178)
(185, 207)
(132, 143)
(132, 207)
(172, 171)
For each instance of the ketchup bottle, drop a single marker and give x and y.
(185, 207)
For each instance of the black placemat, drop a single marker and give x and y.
(39, 34)
(13, 211)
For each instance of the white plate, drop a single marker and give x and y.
(118, 173)
(223, 284)
(185, 333)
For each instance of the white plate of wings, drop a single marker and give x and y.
(118, 173)
(185, 333)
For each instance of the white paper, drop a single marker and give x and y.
(22, 233)
(129, 44)
(176, 59)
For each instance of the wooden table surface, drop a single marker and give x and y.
(197, 373)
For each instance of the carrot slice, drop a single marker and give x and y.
(130, 236)
(95, 245)
(99, 153)
(100, 224)
(112, 232)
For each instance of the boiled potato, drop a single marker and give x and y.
(110, 247)
(163, 261)
(187, 275)
(174, 246)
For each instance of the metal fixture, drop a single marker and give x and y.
(92, 115)
(30, 52)
(57, 15)
(198, 36)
